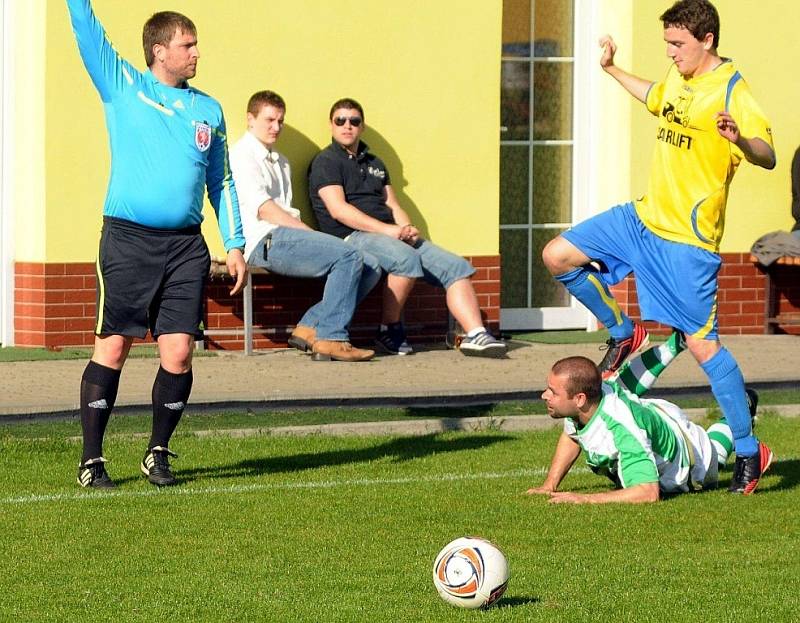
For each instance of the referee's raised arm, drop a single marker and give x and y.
(106, 68)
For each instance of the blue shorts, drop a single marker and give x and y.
(676, 283)
(435, 265)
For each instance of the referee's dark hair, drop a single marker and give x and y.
(160, 29)
(583, 377)
(259, 99)
(699, 17)
(348, 103)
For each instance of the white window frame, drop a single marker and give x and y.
(7, 173)
(584, 168)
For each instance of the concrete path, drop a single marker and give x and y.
(281, 377)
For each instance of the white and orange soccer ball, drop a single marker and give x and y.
(470, 572)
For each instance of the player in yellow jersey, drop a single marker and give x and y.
(708, 122)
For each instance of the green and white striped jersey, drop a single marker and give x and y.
(634, 441)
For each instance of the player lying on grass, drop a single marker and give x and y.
(645, 446)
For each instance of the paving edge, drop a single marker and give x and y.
(16, 413)
(412, 428)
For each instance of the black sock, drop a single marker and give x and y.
(170, 394)
(99, 386)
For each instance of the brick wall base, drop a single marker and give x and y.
(55, 306)
(741, 298)
(786, 285)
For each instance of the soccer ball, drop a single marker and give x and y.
(470, 572)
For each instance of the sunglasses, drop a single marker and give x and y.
(354, 121)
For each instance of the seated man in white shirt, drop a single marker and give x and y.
(279, 241)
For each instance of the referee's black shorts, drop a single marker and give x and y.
(150, 279)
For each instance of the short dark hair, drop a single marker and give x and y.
(160, 29)
(346, 102)
(583, 377)
(699, 17)
(259, 99)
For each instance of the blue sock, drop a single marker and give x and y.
(592, 291)
(727, 383)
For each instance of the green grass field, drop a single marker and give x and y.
(565, 337)
(268, 528)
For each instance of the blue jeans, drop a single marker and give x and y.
(434, 264)
(301, 253)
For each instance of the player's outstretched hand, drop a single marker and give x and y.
(727, 127)
(541, 490)
(609, 49)
(567, 497)
(237, 268)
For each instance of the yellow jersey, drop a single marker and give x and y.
(693, 165)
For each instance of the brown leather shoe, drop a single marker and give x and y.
(303, 338)
(325, 350)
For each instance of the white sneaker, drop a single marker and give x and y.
(483, 345)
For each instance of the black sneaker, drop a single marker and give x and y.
(393, 340)
(93, 474)
(155, 465)
(752, 404)
(617, 352)
(483, 345)
(748, 470)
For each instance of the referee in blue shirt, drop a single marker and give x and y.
(168, 145)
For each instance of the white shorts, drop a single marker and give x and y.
(697, 466)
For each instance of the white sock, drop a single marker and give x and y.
(476, 331)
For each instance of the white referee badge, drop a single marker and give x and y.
(202, 135)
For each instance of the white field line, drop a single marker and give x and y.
(87, 496)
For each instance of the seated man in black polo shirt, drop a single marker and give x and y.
(353, 198)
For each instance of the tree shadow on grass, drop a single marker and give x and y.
(789, 473)
(402, 449)
(459, 412)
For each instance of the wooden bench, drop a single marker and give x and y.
(772, 319)
(220, 269)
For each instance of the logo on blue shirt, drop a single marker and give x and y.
(202, 136)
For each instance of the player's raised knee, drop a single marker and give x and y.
(560, 256)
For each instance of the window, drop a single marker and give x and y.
(537, 146)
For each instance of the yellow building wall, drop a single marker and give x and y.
(30, 214)
(614, 110)
(427, 74)
(761, 38)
